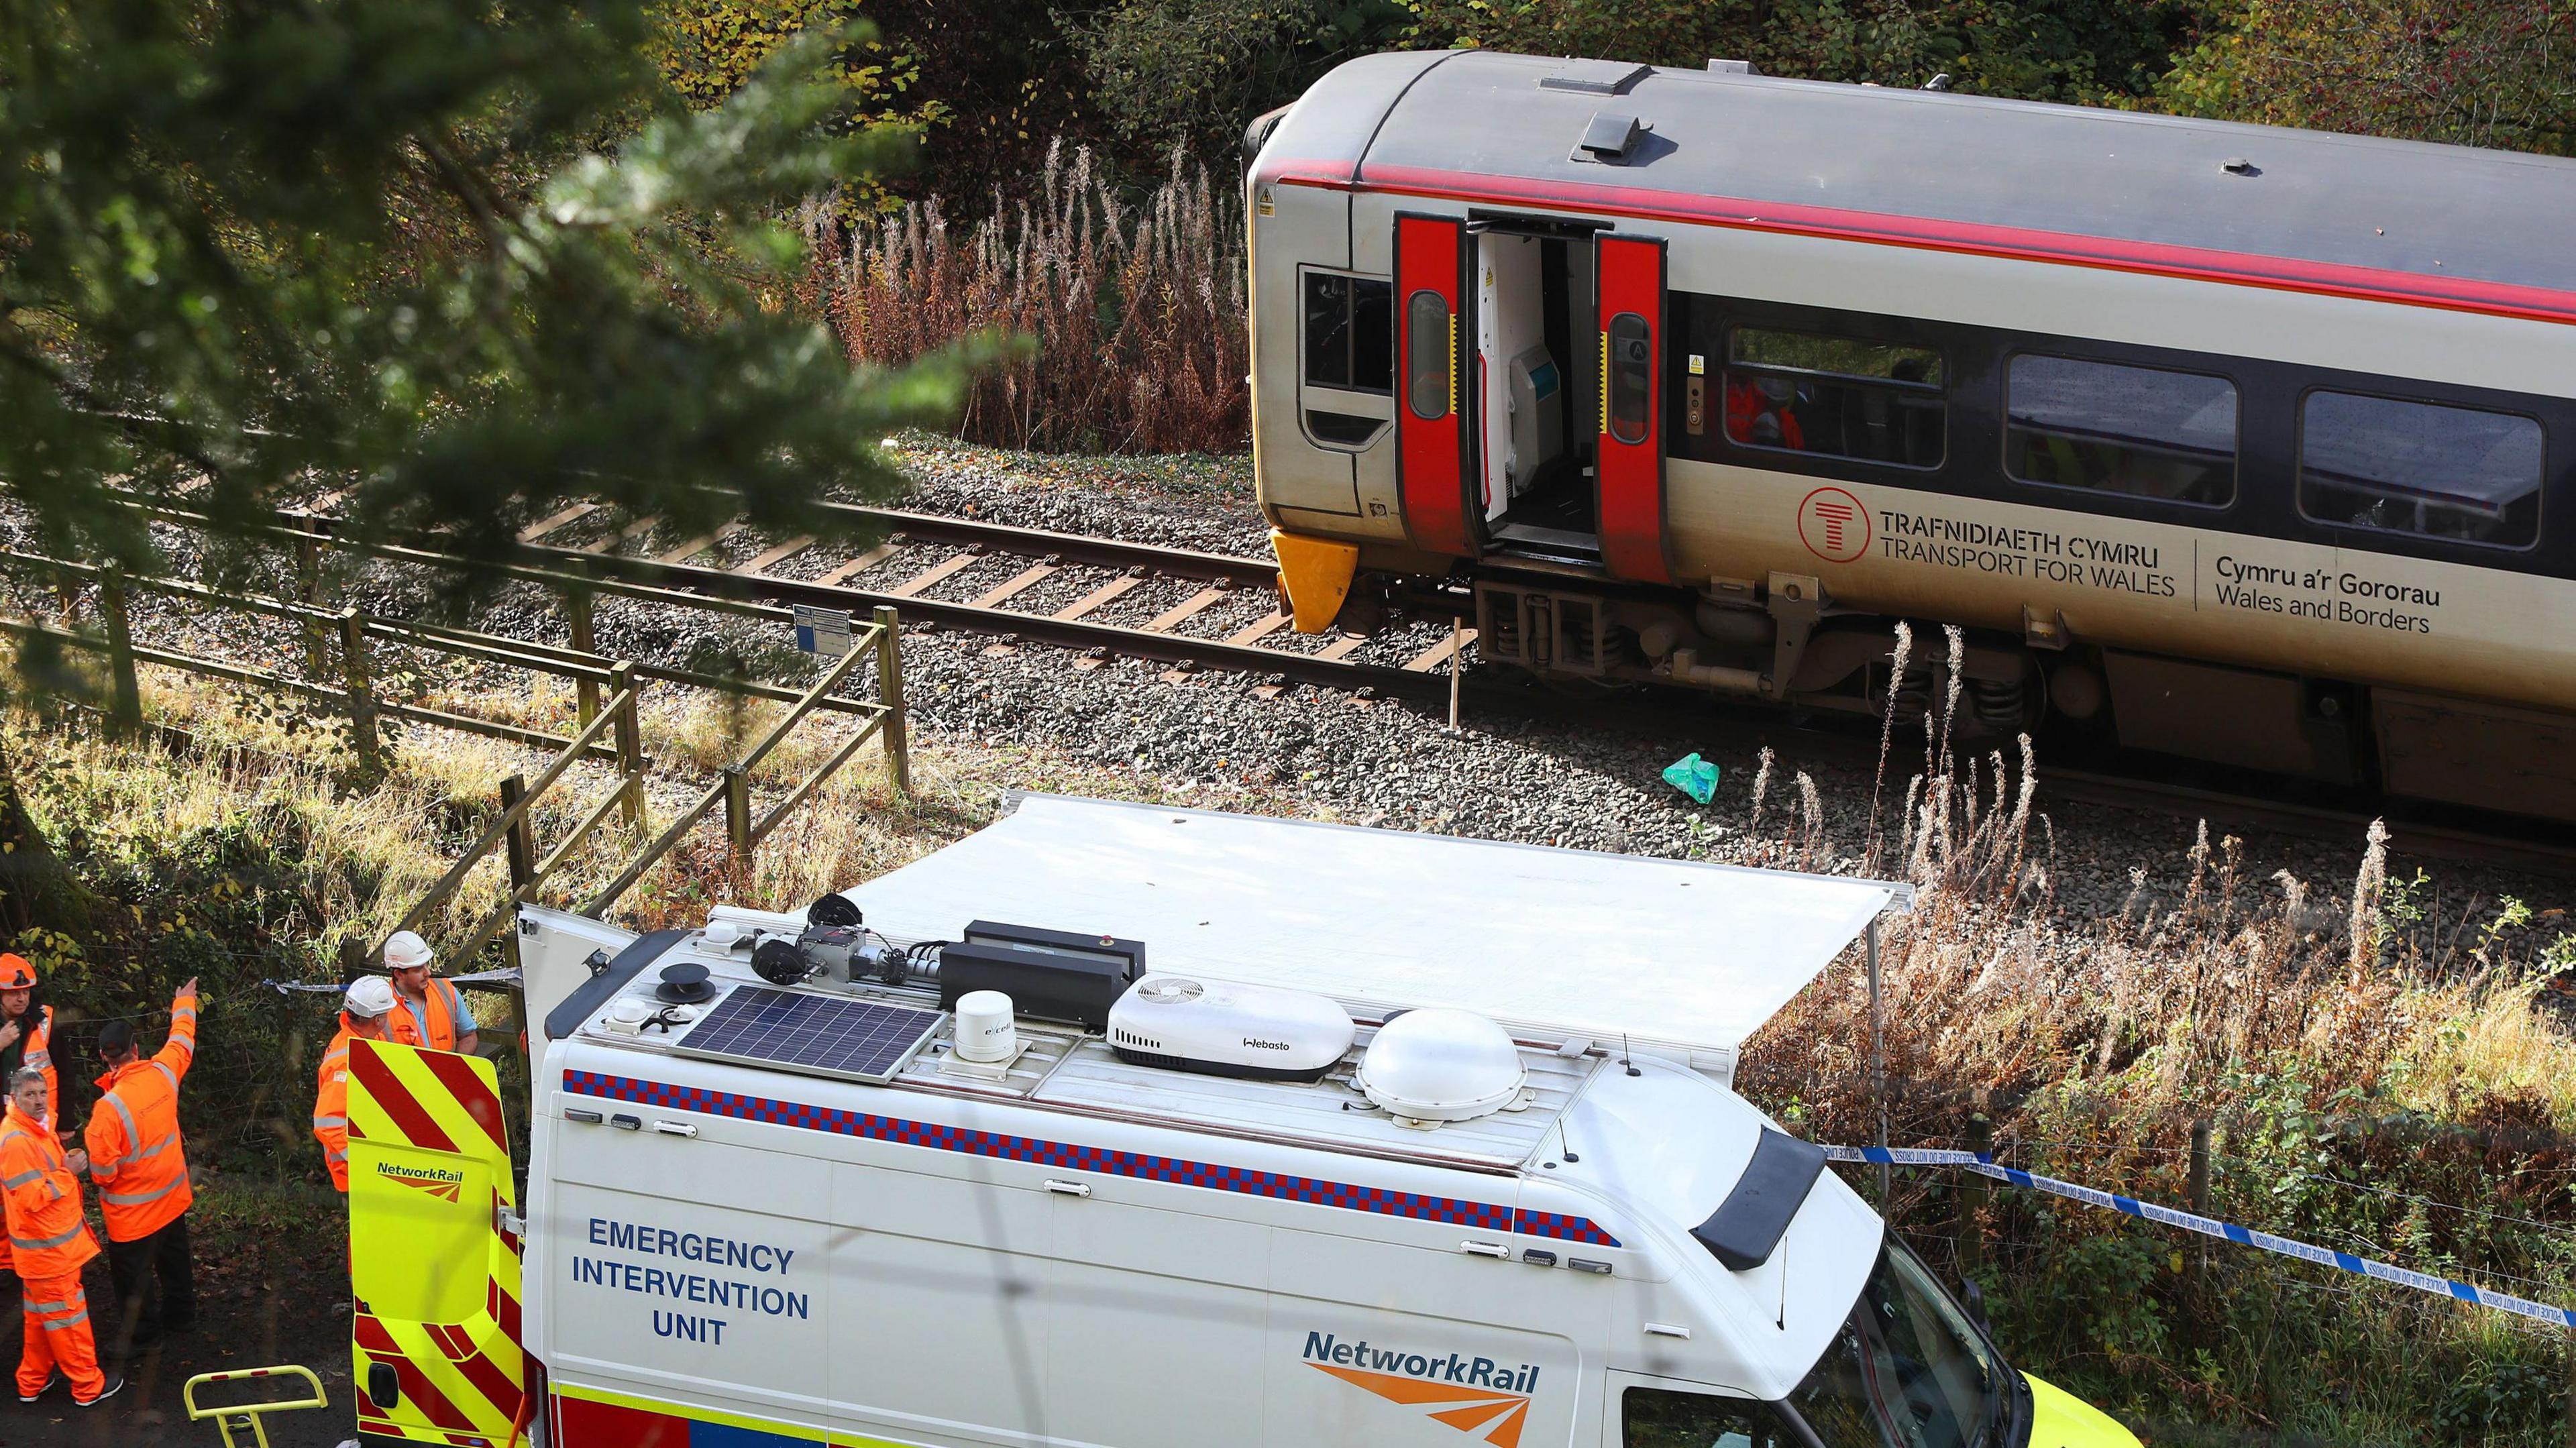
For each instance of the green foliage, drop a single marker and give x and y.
(2071, 50)
(387, 247)
(1191, 73)
(2496, 73)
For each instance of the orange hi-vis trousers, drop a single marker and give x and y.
(58, 1335)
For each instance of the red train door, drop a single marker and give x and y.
(1629, 460)
(1435, 443)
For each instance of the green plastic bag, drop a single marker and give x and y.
(1693, 776)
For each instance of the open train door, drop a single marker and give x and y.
(433, 1250)
(1628, 280)
(1435, 452)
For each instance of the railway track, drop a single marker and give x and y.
(1106, 570)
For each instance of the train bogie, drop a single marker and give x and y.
(2245, 444)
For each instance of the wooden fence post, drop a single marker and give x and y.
(898, 744)
(522, 850)
(127, 705)
(362, 703)
(353, 958)
(308, 575)
(577, 612)
(1973, 1191)
(521, 840)
(1878, 1072)
(737, 807)
(630, 743)
(2198, 1259)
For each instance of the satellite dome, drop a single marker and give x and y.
(1441, 1065)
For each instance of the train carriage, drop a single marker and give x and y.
(2245, 444)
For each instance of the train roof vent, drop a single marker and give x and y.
(1608, 137)
(1594, 77)
(1717, 66)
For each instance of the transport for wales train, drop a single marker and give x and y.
(2250, 445)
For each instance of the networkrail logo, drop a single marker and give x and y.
(447, 1186)
(1471, 1394)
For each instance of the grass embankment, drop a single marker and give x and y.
(2381, 1072)
(2381, 1075)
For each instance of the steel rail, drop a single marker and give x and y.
(1039, 542)
(653, 580)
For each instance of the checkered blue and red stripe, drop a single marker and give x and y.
(1066, 1156)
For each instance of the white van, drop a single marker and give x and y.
(1395, 1140)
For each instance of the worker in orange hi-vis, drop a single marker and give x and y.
(140, 1168)
(26, 1039)
(40, 1185)
(433, 1010)
(364, 1012)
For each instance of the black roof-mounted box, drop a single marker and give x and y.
(1749, 1224)
(1594, 77)
(1608, 137)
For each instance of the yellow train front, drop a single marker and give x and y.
(2243, 444)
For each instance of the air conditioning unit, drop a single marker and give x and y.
(1222, 1028)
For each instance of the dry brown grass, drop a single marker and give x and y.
(1134, 314)
(2378, 1081)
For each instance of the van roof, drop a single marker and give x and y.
(1681, 957)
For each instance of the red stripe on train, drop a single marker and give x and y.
(2192, 263)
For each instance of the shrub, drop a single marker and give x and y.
(1134, 315)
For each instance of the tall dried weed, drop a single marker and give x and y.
(1134, 313)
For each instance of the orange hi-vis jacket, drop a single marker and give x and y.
(331, 1106)
(37, 1052)
(46, 1233)
(135, 1157)
(439, 1009)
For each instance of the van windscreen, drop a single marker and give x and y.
(1907, 1370)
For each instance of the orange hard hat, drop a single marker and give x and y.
(16, 973)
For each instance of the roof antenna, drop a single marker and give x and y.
(1565, 1134)
(1623, 1056)
(1781, 1320)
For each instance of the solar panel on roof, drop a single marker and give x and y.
(824, 1035)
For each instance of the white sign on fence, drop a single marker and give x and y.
(824, 631)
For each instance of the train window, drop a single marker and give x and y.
(1835, 396)
(2073, 423)
(1426, 363)
(1347, 339)
(2420, 467)
(1629, 370)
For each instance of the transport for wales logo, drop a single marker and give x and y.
(1833, 525)
(1471, 1394)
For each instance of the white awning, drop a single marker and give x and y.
(1675, 954)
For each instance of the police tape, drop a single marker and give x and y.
(480, 980)
(1984, 1165)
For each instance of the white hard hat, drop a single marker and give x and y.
(369, 996)
(406, 951)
